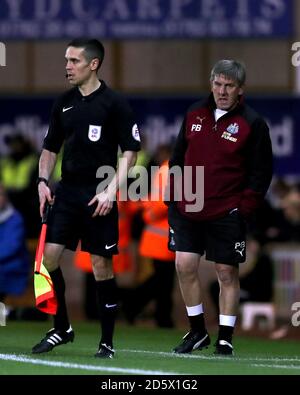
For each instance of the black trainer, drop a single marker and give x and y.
(54, 337)
(192, 341)
(105, 351)
(223, 347)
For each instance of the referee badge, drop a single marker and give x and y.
(94, 132)
(135, 132)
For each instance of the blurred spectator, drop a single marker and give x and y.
(146, 160)
(124, 263)
(279, 189)
(282, 223)
(18, 174)
(264, 224)
(256, 276)
(291, 212)
(154, 245)
(14, 257)
(56, 174)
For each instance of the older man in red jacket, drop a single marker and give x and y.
(231, 142)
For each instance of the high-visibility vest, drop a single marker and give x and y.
(82, 260)
(16, 175)
(56, 174)
(123, 262)
(154, 240)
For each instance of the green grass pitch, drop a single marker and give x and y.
(139, 351)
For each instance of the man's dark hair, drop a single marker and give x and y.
(92, 49)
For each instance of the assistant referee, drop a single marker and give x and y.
(90, 121)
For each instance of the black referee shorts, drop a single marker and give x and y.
(222, 240)
(70, 220)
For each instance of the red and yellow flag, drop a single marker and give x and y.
(45, 298)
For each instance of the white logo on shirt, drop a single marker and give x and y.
(109, 247)
(228, 136)
(67, 108)
(233, 128)
(240, 247)
(135, 132)
(109, 306)
(196, 127)
(94, 132)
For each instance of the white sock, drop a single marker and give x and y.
(227, 320)
(194, 310)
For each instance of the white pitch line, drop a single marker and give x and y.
(213, 357)
(24, 359)
(34, 361)
(257, 365)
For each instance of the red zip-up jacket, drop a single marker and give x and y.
(236, 154)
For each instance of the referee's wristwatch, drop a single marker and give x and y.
(41, 179)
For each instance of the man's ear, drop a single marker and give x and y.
(95, 64)
(241, 90)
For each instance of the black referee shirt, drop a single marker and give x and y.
(91, 128)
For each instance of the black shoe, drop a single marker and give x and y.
(192, 341)
(223, 347)
(53, 338)
(105, 351)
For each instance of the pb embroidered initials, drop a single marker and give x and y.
(196, 127)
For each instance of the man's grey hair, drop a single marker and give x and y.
(231, 69)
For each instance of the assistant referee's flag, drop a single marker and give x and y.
(45, 299)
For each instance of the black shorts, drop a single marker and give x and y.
(70, 220)
(223, 240)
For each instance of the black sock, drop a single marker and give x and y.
(197, 323)
(107, 299)
(225, 333)
(61, 320)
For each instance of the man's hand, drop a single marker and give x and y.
(44, 195)
(105, 199)
(104, 203)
